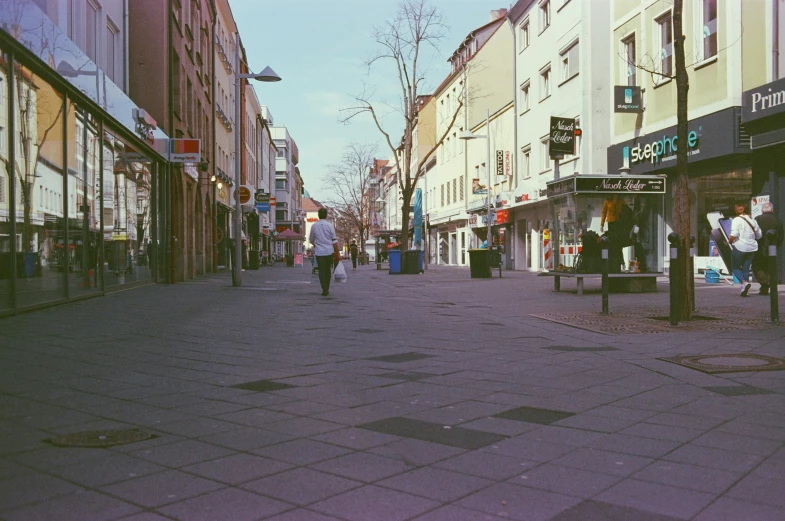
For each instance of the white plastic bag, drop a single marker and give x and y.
(340, 273)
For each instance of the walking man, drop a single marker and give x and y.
(767, 221)
(353, 253)
(325, 248)
(743, 238)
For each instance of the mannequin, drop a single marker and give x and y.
(611, 209)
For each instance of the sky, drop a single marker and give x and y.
(319, 49)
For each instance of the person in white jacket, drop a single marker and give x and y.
(744, 235)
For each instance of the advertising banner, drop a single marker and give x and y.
(417, 217)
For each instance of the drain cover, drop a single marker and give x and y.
(728, 363)
(103, 438)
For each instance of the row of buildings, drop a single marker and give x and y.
(606, 67)
(119, 145)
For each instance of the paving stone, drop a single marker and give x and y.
(255, 417)
(736, 443)
(492, 466)
(180, 453)
(760, 489)
(516, 502)
(500, 426)
(358, 439)
(301, 486)
(441, 485)
(198, 427)
(32, 488)
(658, 499)
(635, 445)
(301, 427)
(529, 449)
(725, 509)
(714, 458)
(591, 510)
(556, 434)
(400, 358)
(229, 503)
(592, 422)
(246, 438)
(416, 452)
(79, 506)
(433, 432)
(595, 460)
(236, 468)
(302, 514)
(372, 502)
(565, 480)
(301, 452)
(104, 471)
(691, 477)
(363, 466)
(662, 432)
(160, 489)
(453, 513)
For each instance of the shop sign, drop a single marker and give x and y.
(627, 99)
(500, 162)
(507, 163)
(477, 188)
(757, 205)
(272, 201)
(262, 201)
(562, 137)
(313, 220)
(244, 192)
(521, 198)
(566, 186)
(473, 219)
(711, 136)
(763, 101)
(185, 150)
(502, 216)
(623, 184)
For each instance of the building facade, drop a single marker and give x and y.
(83, 182)
(173, 50)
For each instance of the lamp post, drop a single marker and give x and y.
(267, 75)
(469, 135)
(379, 205)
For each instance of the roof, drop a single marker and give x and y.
(311, 205)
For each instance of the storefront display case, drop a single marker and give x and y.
(627, 209)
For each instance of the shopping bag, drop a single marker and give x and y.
(340, 273)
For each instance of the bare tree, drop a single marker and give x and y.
(402, 40)
(349, 183)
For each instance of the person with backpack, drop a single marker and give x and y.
(744, 235)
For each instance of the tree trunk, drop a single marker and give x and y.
(681, 191)
(27, 225)
(405, 208)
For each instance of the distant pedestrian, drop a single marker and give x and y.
(325, 248)
(353, 253)
(744, 236)
(760, 264)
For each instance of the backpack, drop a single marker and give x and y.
(626, 221)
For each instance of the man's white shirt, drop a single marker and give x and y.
(322, 237)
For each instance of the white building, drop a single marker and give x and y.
(562, 49)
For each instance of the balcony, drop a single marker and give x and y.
(224, 58)
(223, 118)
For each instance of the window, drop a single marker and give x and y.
(525, 101)
(189, 104)
(110, 51)
(628, 57)
(523, 37)
(545, 162)
(454, 190)
(545, 14)
(707, 28)
(570, 62)
(460, 187)
(545, 82)
(280, 184)
(91, 31)
(448, 192)
(280, 215)
(664, 41)
(526, 156)
(442, 197)
(281, 152)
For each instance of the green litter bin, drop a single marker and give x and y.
(479, 263)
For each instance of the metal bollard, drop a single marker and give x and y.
(771, 241)
(605, 283)
(673, 239)
(692, 271)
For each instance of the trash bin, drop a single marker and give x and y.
(395, 262)
(30, 259)
(412, 262)
(479, 263)
(290, 261)
(253, 260)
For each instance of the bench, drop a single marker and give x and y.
(618, 283)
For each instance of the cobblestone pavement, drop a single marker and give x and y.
(428, 397)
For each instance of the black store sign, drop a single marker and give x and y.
(627, 99)
(562, 138)
(566, 186)
(623, 184)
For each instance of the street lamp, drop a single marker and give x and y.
(469, 135)
(267, 75)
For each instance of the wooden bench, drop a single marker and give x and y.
(619, 282)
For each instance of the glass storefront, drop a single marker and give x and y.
(717, 193)
(80, 200)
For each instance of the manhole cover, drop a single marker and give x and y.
(102, 438)
(728, 363)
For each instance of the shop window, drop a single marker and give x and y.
(629, 68)
(706, 26)
(663, 36)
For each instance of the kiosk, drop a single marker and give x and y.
(626, 209)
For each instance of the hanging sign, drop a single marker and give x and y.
(244, 192)
(627, 99)
(562, 137)
(185, 150)
(500, 162)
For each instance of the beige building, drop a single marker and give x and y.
(725, 56)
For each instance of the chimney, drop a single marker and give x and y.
(498, 13)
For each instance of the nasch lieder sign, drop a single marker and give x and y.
(562, 137)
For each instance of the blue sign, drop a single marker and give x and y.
(417, 217)
(262, 207)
